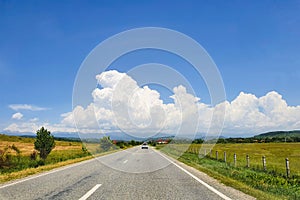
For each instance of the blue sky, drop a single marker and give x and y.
(255, 45)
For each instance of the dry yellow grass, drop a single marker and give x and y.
(26, 146)
(31, 171)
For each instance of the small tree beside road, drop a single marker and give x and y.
(44, 142)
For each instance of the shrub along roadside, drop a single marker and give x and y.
(17, 163)
(256, 183)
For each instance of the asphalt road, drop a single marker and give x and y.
(132, 174)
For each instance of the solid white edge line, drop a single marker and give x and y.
(90, 192)
(54, 171)
(197, 179)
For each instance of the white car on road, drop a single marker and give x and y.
(144, 145)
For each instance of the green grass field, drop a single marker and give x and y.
(270, 184)
(275, 153)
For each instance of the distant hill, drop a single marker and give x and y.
(11, 138)
(279, 134)
(92, 137)
(31, 138)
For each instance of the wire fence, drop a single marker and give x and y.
(283, 159)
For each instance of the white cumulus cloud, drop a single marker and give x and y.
(17, 115)
(121, 104)
(250, 114)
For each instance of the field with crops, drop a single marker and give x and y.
(17, 153)
(26, 145)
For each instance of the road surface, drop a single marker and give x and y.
(132, 174)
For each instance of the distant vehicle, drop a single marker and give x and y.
(145, 145)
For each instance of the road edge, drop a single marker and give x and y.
(230, 192)
(49, 169)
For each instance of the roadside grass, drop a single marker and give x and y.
(275, 153)
(253, 181)
(20, 162)
(14, 165)
(31, 171)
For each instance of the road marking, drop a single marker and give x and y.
(89, 193)
(196, 178)
(125, 161)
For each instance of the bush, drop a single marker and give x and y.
(6, 157)
(41, 162)
(16, 149)
(33, 155)
(84, 149)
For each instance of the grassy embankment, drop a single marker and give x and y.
(15, 166)
(270, 184)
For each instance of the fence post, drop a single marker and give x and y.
(234, 159)
(224, 156)
(264, 163)
(248, 161)
(287, 164)
(217, 155)
(204, 152)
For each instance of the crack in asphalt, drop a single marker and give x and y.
(67, 190)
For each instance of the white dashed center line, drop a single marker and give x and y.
(89, 193)
(125, 161)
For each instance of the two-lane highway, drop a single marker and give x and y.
(132, 174)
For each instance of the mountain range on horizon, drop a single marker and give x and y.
(127, 137)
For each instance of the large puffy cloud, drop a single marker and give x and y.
(250, 114)
(119, 103)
